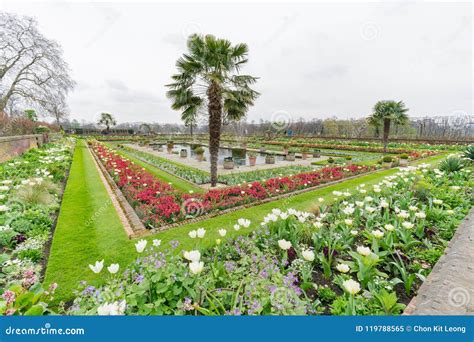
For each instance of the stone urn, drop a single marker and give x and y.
(183, 153)
(229, 163)
(291, 156)
(269, 159)
(252, 159)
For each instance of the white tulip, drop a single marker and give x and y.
(308, 255)
(236, 227)
(437, 201)
(348, 222)
(244, 222)
(156, 243)
(343, 268)
(408, 225)
(222, 232)
(201, 232)
(140, 245)
(193, 256)
(283, 244)
(389, 227)
(354, 232)
(318, 224)
(112, 309)
(378, 234)
(113, 268)
(420, 214)
(351, 286)
(97, 267)
(196, 267)
(363, 250)
(192, 234)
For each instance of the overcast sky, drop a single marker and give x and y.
(313, 60)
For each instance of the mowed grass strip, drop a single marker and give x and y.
(123, 251)
(88, 228)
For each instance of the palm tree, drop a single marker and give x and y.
(108, 120)
(386, 112)
(190, 120)
(208, 77)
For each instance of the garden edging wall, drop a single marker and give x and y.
(132, 224)
(16, 145)
(448, 289)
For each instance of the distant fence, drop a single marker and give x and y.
(15, 145)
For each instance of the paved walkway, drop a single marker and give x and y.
(449, 289)
(204, 165)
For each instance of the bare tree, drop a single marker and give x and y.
(31, 66)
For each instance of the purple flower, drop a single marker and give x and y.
(139, 278)
(174, 244)
(89, 290)
(229, 266)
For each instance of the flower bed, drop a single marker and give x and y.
(366, 254)
(29, 199)
(158, 204)
(201, 177)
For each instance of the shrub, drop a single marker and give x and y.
(387, 159)
(199, 150)
(330, 160)
(468, 153)
(404, 156)
(451, 164)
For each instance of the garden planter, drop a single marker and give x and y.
(169, 149)
(183, 153)
(229, 164)
(252, 160)
(403, 162)
(200, 157)
(387, 165)
(269, 159)
(290, 157)
(316, 154)
(262, 149)
(304, 156)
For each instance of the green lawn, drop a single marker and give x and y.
(75, 245)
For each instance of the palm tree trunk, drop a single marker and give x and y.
(215, 122)
(191, 130)
(386, 131)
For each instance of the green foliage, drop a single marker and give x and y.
(451, 164)
(468, 153)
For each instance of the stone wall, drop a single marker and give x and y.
(13, 146)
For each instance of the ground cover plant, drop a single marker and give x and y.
(158, 203)
(366, 253)
(29, 200)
